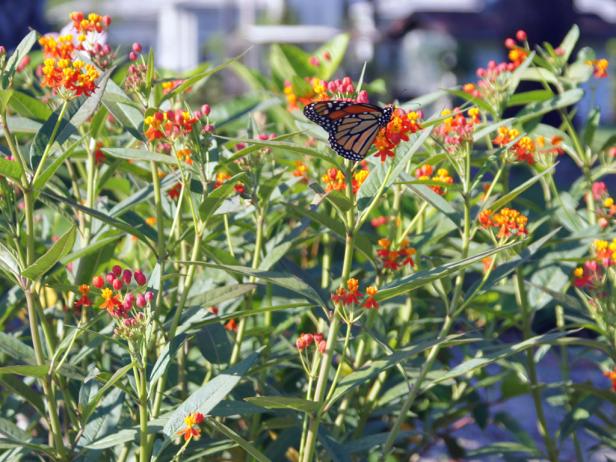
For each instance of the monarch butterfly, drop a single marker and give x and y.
(352, 127)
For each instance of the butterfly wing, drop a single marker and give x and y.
(352, 127)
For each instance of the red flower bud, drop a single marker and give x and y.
(521, 35)
(141, 302)
(117, 284)
(98, 282)
(109, 278)
(136, 47)
(132, 56)
(127, 275)
(140, 277)
(205, 109)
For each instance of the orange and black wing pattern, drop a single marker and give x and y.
(352, 127)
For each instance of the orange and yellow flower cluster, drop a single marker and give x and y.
(425, 173)
(75, 77)
(508, 222)
(61, 71)
(395, 258)
(397, 130)
(526, 149)
(169, 124)
(599, 67)
(334, 179)
(352, 296)
(457, 129)
(607, 207)
(591, 275)
(191, 428)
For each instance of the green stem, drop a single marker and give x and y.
(52, 139)
(256, 259)
(522, 299)
(310, 442)
(143, 413)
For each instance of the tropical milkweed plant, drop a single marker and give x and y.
(185, 279)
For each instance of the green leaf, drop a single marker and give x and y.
(536, 74)
(117, 375)
(195, 79)
(421, 278)
(569, 42)
(164, 358)
(10, 169)
(27, 106)
(208, 396)
(219, 295)
(59, 248)
(436, 201)
(26, 370)
(532, 96)
(590, 127)
(568, 98)
(140, 155)
(241, 442)
(123, 109)
(286, 281)
(13, 347)
(5, 98)
(113, 222)
(216, 197)
(511, 195)
(284, 402)
(49, 171)
(337, 48)
(20, 52)
(375, 367)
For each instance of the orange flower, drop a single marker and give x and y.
(169, 124)
(396, 131)
(395, 259)
(191, 429)
(84, 300)
(301, 171)
(457, 129)
(231, 325)
(221, 177)
(170, 85)
(370, 301)
(612, 376)
(76, 77)
(442, 176)
(92, 23)
(61, 47)
(335, 181)
(599, 67)
(184, 155)
(111, 302)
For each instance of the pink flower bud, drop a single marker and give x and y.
(107, 21)
(129, 298)
(109, 278)
(132, 56)
(116, 270)
(362, 97)
(98, 282)
(2, 50)
(322, 346)
(136, 47)
(140, 277)
(510, 43)
(521, 35)
(205, 109)
(209, 128)
(106, 49)
(141, 302)
(314, 61)
(127, 275)
(117, 284)
(347, 81)
(603, 222)
(149, 296)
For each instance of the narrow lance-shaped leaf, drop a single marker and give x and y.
(422, 278)
(59, 248)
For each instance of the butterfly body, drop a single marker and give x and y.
(352, 127)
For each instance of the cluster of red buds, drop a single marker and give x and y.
(305, 340)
